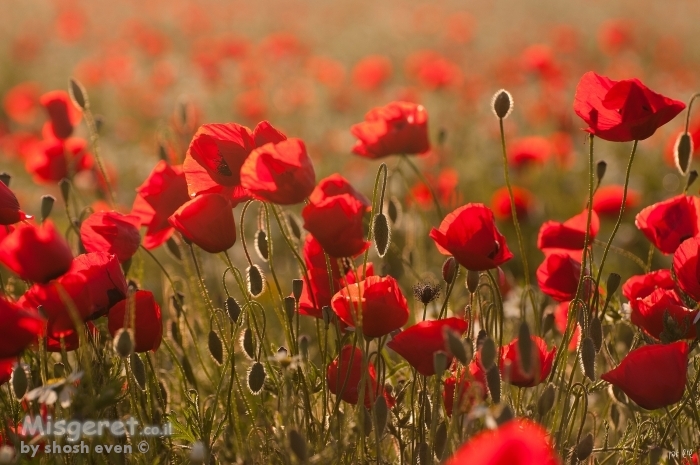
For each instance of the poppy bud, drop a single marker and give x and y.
(613, 283)
(546, 400)
(525, 348)
(502, 104)
(248, 343)
(78, 94)
(455, 345)
(256, 281)
(472, 280)
(216, 349)
(548, 323)
(682, 152)
(327, 314)
(138, 369)
(261, 246)
(297, 288)
(171, 246)
(304, 347)
(381, 233)
(47, 202)
(5, 178)
(488, 353)
(123, 343)
(290, 307)
(600, 169)
(64, 185)
(493, 381)
(439, 362)
(381, 414)
(233, 309)
(584, 447)
(394, 210)
(596, 333)
(256, 378)
(449, 270)
(588, 358)
(293, 223)
(440, 440)
(19, 381)
(298, 445)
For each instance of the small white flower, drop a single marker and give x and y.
(48, 394)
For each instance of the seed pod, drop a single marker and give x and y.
(78, 94)
(439, 362)
(123, 343)
(502, 104)
(216, 349)
(233, 309)
(187, 368)
(493, 381)
(5, 178)
(381, 414)
(588, 358)
(297, 444)
(381, 233)
(613, 283)
(682, 152)
(600, 169)
(488, 353)
(472, 280)
(47, 202)
(449, 270)
(440, 440)
(525, 348)
(290, 307)
(256, 280)
(138, 369)
(59, 370)
(455, 346)
(584, 447)
(596, 333)
(247, 343)
(171, 246)
(256, 378)
(297, 288)
(546, 400)
(20, 383)
(261, 245)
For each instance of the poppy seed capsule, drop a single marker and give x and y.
(298, 445)
(426, 292)
(502, 104)
(588, 358)
(47, 202)
(261, 245)
(449, 270)
(256, 378)
(256, 281)
(682, 152)
(123, 343)
(216, 349)
(297, 288)
(20, 383)
(600, 169)
(381, 233)
(138, 369)
(233, 309)
(584, 447)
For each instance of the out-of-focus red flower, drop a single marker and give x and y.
(147, 325)
(419, 343)
(538, 59)
(36, 253)
(280, 173)
(541, 363)
(472, 388)
(446, 189)
(160, 195)
(470, 235)
(500, 203)
(384, 307)
(6, 367)
(70, 24)
(344, 376)
(207, 220)
(111, 232)
(51, 160)
(64, 116)
(614, 36)
(663, 316)
(432, 70)
(531, 150)
(561, 315)
(460, 27)
(334, 216)
(687, 268)
(517, 442)
(371, 72)
(558, 276)
(399, 128)
(653, 376)
(17, 144)
(251, 104)
(607, 200)
(622, 111)
(562, 148)
(19, 329)
(20, 102)
(67, 340)
(670, 222)
(570, 236)
(9, 207)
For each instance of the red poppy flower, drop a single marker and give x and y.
(384, 308)
(36, 253)
(20, 102)
(9, 207)
(622, 111)
(470, 235)
(399, 128)
(517, 442)
(280, 173)
(6, 367)
(558, 276)
(686, 268)
(18, 330)
(569, 236)
(561, 316)
(529, 151)
(668, 366)
(51, 160)
(542, 360)
(334, 217)
(344, 375)
(371, 72)
(104, 277)
(667, 224)
(419, 343)
(432, 70)
(147, 324)
(207, 220)
(663, 312)
(607, 200)
(111, 232)
(63, 114)
(500, 203)
(472, 388)
(160, 195)
(67, 340)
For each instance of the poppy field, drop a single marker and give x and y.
(353, 232)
